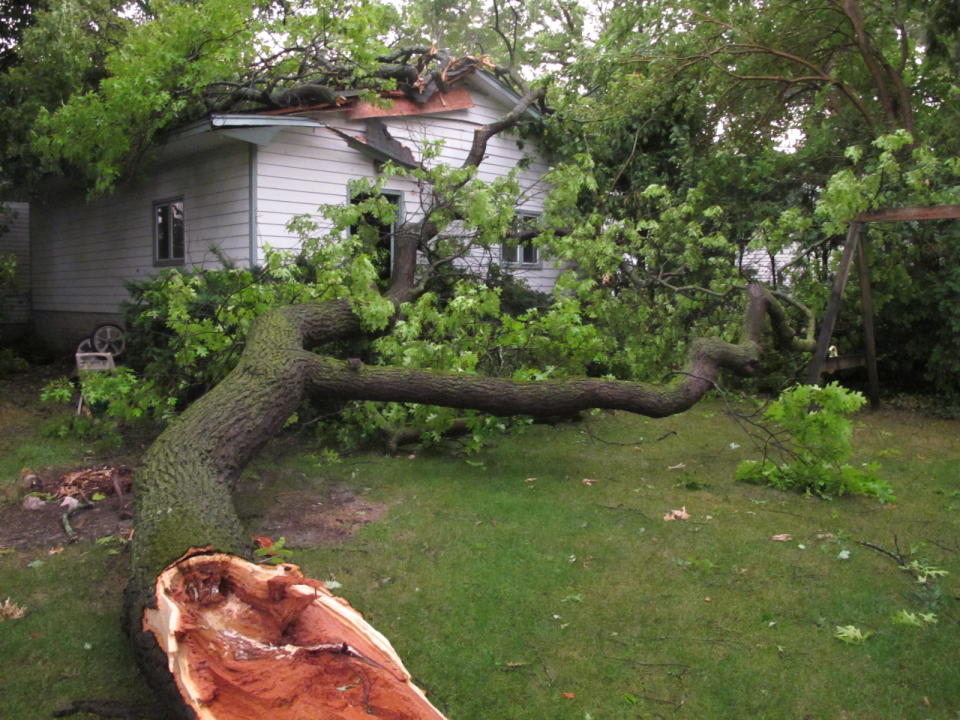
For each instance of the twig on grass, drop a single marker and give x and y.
(623, 507)
(551, 678)
(943, 547)
(586, 429)
(782, 512)
(637, 663)
(898, 557)
(674, 703)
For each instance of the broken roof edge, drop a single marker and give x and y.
(260, 127)
(479, 78)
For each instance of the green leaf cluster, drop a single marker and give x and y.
(153, 71)
(112, 402)
(815, 432)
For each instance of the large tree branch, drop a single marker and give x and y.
(818, 76)
(412, 237)
(892, 93)
(183, 488)
(482, 135)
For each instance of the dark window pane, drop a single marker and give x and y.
(163, 232)
(169, 231)
(176, 231)
(378, 234)
(524, 253)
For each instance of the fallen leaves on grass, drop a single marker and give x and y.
(515, 664)
(851, 634)
(678, 466)
(905, 617)
(680, 514)
(9, 610)
(782, 537)
(95, 483)
(588, 481)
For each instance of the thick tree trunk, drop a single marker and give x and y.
(183, 497)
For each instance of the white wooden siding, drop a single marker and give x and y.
(759, 265)
(84, 252)
(16, 240)
(305, 168)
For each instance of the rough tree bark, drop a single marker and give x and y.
(184, 486)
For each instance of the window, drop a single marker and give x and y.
(523, 252)
(168, 233)
(378, 232)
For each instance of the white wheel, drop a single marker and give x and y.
(109, 339)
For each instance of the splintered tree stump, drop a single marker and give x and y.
(248, 641)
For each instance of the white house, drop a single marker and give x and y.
(230, 185)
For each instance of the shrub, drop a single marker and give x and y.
(115, 400)
(814, 435)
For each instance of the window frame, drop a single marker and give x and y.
(396, 198)
(172, 259)
(520, 249)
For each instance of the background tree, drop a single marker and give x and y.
(52, 52)
(748, 109)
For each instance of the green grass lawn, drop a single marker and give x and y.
(515, 590)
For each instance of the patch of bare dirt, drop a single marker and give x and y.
(37, 519)
(303, 517)
(307, 517)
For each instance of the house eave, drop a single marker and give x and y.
(246, 127)
(489, 82)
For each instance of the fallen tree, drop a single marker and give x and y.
(184, 486)
(218, 637)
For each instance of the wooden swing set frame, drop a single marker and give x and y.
(856, 245)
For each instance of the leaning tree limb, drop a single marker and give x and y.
(183, 489)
